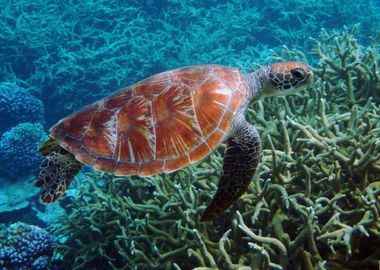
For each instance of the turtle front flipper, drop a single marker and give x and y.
(57, 171)
(242, 156)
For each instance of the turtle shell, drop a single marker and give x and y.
(160, 124)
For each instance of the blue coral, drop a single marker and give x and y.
(19, 149)
(25, 247)
(17, 105)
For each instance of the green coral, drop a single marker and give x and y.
(90, 49)
(297, 20)
(314, 203)
(155, 221)
(349, 66)
(67, 49)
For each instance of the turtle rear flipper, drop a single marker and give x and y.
(57, 171)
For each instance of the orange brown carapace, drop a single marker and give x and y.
(158, 125)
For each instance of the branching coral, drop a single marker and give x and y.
(322, 157)
(25, 247)
(68, 49)
(349, 66)
(93, 48)
(314, 203)
(297, 20)
(155, 222)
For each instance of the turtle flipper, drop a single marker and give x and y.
(57, 171)
(241, 158)
(49, 146)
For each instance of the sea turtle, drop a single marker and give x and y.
(167, 121)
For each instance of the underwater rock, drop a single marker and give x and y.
(49, 213)
(25, 247)
(17, 200)
(12, 196)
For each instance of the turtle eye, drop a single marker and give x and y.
(298, 73)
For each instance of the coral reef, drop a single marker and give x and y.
(19, 149)
(68, 49)
(25, 247)
(314, 203)
(297, 20)
(357, 66)
(17, 106)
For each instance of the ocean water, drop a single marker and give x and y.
(126, 182)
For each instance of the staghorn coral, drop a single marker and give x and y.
(314, 203)
(19, 149)
(346, 64)
(62, 50)
(313, 15)
(25, 247)
(137, 206)
(324, 155)
(92, 48)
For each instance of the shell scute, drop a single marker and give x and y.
(83, 155)
(135, 140)
(215, 138)
(176, 124)
(126, 168)
(199, 153)
(118, 100)
(227, 118)
(152, 167)
(160, 124)
(236, 100)
(189, 76)
(100, 134)
(230, 78)
(210, 102)
(104, 164)
(76, 124)
(144, 89)
(175, 163)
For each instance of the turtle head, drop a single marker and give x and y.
(286, 78)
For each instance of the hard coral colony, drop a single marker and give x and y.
(21, 131)
(25, 247)
(313, 202)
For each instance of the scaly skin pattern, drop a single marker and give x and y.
(241, 159)
(57, 171)
(168, 121)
